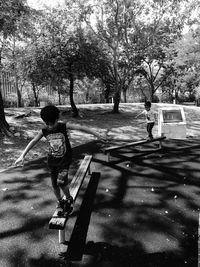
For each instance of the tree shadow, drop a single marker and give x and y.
(136, 211)
(167, 198)
(18, 258)
(105, 254)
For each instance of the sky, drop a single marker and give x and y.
(39, 3)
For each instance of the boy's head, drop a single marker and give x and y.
(50, 114)
(147, 105)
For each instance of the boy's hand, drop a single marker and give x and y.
(102, 138)
(105, 137)
(20, 159)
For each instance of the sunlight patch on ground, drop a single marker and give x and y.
(150, 242)
(98, 117)
(29, 134)
(8, 141)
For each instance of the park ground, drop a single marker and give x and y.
(26, 122)
(144, 212)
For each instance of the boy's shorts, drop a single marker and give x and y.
(59, 177)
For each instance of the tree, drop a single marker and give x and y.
(184, 64)
(166, 20)
(135, 33)
(96, 63)
(11, 12)
(61, 51)
(115, 27)
(56, 55)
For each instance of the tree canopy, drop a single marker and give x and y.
(119, 42)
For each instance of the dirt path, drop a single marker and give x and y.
(122, 126)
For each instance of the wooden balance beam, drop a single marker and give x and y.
(141, 142)
(57, 222)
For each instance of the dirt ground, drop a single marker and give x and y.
(26, 122)
(143, 214)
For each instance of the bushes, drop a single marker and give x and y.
(10, 100)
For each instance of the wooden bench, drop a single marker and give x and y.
(59, 223)
(141, 142)
(76, 243)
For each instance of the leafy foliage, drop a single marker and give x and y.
(11, 13)
(122, 43)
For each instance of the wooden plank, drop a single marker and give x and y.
(76, 244)
(79, 176)
(108, 149)
(58, 222)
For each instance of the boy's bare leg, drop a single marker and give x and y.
(56, 188)
(68, 203)
(63, 182)
(57, 193)
(65, 190)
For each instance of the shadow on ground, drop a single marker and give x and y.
(144, 213)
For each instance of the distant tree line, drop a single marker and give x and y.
(127, 45)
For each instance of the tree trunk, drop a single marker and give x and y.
(35, 94)
(107, 92)
(117, 94)
(124, 95)
(71, 97)
(176, 96)
(4, 126)
(19, 96)
(116, 102)
(59, 97)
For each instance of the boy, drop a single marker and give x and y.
(150, 118)
(59, 155)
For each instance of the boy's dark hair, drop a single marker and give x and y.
(147, 104)
(49, 113)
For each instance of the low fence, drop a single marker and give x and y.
(8, 88)
(7, 84)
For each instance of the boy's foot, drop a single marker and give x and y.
(68, 205)
(60, 208)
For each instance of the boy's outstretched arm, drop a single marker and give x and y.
(28, 147)
(85, 129)
(139, 114)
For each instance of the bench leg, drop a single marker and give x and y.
(89, 170)
(61, 236)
